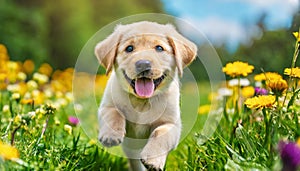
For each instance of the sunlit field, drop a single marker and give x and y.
(42, 128)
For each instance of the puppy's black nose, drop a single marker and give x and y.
(142, 66)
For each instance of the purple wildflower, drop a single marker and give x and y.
(260, 91)
(290, 155)
(73, 120)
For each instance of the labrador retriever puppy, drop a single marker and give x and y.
(140, 105)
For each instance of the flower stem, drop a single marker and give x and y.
(238, 96)
(13, 135)
(295, 56)
(43, 130)
(267, 129)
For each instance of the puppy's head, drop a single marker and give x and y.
(146, 56)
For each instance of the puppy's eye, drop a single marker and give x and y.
(159, 48)
(129, 48)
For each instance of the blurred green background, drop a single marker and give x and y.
(55, 31)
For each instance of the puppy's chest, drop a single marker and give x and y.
(141, 112)
(141, 131)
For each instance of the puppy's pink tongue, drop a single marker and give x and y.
(144, 87)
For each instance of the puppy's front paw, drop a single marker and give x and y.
(111, 138)
(153, 163)
(150, 165)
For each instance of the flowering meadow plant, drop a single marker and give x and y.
(38, 125)
(261, 122)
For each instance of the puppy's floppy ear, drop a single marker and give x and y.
(184, 50)
(106, 50)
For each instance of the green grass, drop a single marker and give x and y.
(231, 147)
(57, 149)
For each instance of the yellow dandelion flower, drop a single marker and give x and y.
(298, 141)
(3, 49)
(260, 102)
(296, 34)
(3, 77)
(238, 69)
(4, 57)
(45, 69)
(8, 152)
(28, 66)
(293, 72)
(248, 91)
(204, 109)
(277, 86)
(27, 101)
(267, 76)
(3, 53)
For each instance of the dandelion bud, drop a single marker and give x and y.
(21, 76)
(40, 111)
(16, 96)
(18, 119)
(56, 121)
(32, 85)
(92, 142)
(5, 108)
(40, 78)
(277, 86)
(68, 129)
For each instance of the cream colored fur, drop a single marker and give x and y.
(147, 128)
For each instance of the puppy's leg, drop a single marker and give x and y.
(163, 139)
(136, 165)
(112, 126)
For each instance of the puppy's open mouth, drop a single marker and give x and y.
(144, 87)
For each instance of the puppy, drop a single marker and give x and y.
(140, 104)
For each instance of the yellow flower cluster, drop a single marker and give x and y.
(39, 85)
(8, 152)
(273, 81)
(267, 76)
(292, 72)
(238, 68)
(263, 101)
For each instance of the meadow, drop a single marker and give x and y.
(259, 128)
